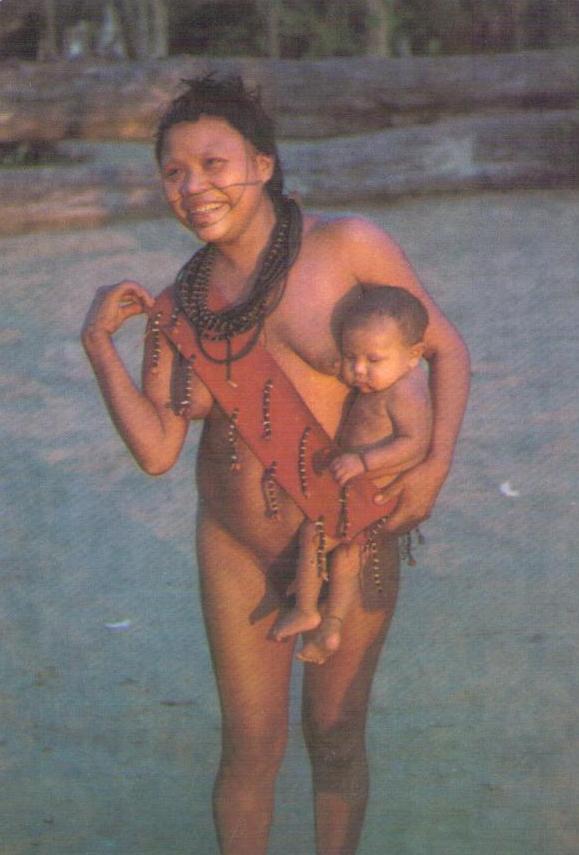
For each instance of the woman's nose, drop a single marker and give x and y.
(194, 181)
(359, 368)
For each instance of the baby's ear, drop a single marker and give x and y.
(416, 353)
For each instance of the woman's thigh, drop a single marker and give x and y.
(240, 605)
(336, 694)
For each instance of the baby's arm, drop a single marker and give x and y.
(409, 410)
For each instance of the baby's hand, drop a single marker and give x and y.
(345, 467)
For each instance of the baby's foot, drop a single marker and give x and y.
(294, 622)
(324, 642)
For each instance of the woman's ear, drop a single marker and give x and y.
(265, 164)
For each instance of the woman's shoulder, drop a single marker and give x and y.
(348, 230)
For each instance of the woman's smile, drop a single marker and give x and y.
(201, 214)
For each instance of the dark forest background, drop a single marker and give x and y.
(295, 29)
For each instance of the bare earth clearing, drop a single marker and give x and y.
(110, 733)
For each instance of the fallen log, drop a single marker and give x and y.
(476, 152)
(523, 150)
(80, 195)
(310, 99)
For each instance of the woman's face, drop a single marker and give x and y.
(213, 177)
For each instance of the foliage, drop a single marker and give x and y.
(305, 28)
(311, 30)
(31, 153)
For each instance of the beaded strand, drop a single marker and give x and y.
(234, 463)
(155, 330)
(302, 465)
(266, 410)
(184, 404)
(321, 554)
(269, 487)
(344, 523)
(192, 288)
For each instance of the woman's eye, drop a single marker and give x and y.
(171, 173)
(214, 162)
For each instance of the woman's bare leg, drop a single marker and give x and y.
(335, 707)
(305, 615)
(252, 674)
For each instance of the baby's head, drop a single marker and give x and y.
(382, 337)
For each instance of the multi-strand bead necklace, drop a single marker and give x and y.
(192, 289)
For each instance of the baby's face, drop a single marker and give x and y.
(375, 355)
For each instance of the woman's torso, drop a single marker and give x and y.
(299, 336)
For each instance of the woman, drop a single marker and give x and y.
(223, 181)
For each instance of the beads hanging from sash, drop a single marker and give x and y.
(155, 332)
(234, 463)
(270, 491)
(266, 410)
(321, 550)
(302, 465)
(184, 403)
(344, 525)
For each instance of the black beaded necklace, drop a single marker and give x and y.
(192, 288)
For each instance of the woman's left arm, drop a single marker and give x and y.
(378, 260)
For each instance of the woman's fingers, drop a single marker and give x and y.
(130, 294)
(114, 304)
(386, 494)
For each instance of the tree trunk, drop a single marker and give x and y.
(518, 10)
(145, 27)
(272, 10)
(50, 39)
(377, 28)
(159, 29)
(45, 101)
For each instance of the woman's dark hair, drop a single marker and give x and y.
(226, 98)
(386, 301)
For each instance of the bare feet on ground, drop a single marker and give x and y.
(294, 622)
(324, 642)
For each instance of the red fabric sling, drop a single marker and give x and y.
(265, 408)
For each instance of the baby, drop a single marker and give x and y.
(387, 425)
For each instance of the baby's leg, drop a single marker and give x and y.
(344, 588)
(305, 615)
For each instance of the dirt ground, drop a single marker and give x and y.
(108, 713)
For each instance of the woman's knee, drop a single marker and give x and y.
(335, 746)
(257, 752)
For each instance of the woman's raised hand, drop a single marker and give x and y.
(112, 306)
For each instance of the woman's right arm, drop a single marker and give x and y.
(145, 419)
